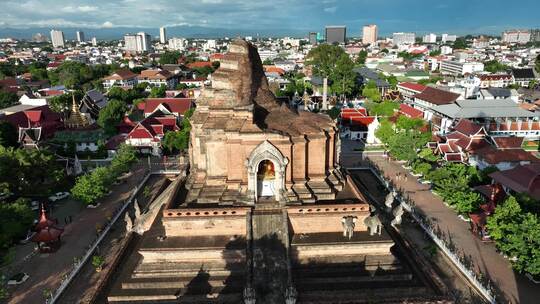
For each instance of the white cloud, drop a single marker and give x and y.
(79, 9)
(107, 24)
(330, 9)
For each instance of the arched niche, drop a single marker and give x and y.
(265, 151)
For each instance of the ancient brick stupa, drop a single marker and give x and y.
(265, 215)
(240, 131)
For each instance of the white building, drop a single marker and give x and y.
(139, 42)
(516, 36)
(162, 35)
(430, 38)
(80, 36)
(403, 38)
(456, 68)
(369, 34)
(446, 50)
(94, 41)
(448, 38)
(210, 44)
(178, 44)
(57, 38)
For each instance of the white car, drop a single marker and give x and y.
(58, 196)
(17, 279)
(34, 205)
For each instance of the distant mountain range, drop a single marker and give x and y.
(177, 31)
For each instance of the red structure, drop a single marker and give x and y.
(47, 234)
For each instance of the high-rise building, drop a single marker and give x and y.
(369, 34)
(516, 36)
(162, 35)
(535, 35)
(80, 36)
(403, 38)
(313, 38)
(336, 34)
(39, 37)
(448, 38)
(94, 41)
(430, 38)
(57, 38)
(139, 42)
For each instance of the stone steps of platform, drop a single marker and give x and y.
(344, 295)
(172, 295)
(215, 281)
(348, 261)
(353, 282)
(187, 269)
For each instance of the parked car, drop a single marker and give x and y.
(34, 205)
(58, 196)
(17, 279)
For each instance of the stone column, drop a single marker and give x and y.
(299, 159)
(316, 164)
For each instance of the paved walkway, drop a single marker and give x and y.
(517, 288)
(46, 270)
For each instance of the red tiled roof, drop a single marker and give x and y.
(495, 77)
(121, 74)
(494, 156)
(413, 86)
(508, 142)
(49, 121)
(469, 128)
(437, 96)
(521, 179)
(410, 112)
(274, 69)
(175, 105)
(155, 74)
(199, 64)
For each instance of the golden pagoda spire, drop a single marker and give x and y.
(75, 119)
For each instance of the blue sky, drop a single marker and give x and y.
(453, 16)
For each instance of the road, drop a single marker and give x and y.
(46, 270)
(517, 288)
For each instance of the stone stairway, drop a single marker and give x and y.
(270, 264)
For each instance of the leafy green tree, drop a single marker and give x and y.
(169, 57)
(179, 140)
(385, 132)
(385, 108)
(361, 57)
(63, 102)
(111, 115)
(466, 202)
(494, 66)
(537, 63)
(17, 218)
(460, 44)
(158, 92)
(7, 99)
(435, 53)
(331, 61)
(124, 158)
(8, 134)
(504, 221)
(371, 92)
(333, 112)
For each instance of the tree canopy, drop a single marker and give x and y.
(494, 66)
(7, 99)
(111, 115)
(178, 140)
(8, 134)
(331, 61)
(385, 108)
(170, 57)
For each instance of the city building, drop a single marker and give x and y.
(80, 36)
(57, 38)
(409, 89)
(157, 78)
(535, 35)
(457, 68)
(523, 77)
(94, 41)
(121, 78)
(336, 34)
(516, 36)
(480, 42)
(403, 38)
(430, 38)
(177, 44)
(448, 38)
(496, 80)
(369, 34)
(312, 38)
(162, 35)
(139, 42)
